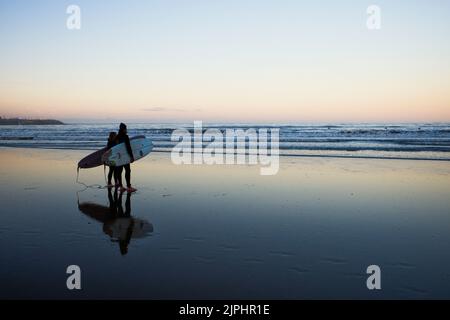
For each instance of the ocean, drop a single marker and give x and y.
(427, 141)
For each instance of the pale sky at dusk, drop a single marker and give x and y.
(224, 61)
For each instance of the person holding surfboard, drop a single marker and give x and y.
(122, 137)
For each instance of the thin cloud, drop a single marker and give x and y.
(162, 109)
(154, 109)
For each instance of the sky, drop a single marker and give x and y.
(226, 61)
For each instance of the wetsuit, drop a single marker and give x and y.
(111, 168)
(123, 138)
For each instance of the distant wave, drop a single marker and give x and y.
(410, 141)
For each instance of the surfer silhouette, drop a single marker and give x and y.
(112, 143)
(122, 137)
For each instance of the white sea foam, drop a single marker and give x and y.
(411, 141)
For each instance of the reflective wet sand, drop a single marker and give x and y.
(224, 231)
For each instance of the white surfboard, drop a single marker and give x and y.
(118, 155)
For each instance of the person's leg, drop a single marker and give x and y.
(118, 175)
(110, 175)
(128, 178)
(116, 180)
(128, 175)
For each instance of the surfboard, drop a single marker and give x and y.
(92, 160)
(118, 155)
(95, 159)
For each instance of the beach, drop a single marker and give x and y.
(225, 231)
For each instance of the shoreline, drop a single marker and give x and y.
(281, 154)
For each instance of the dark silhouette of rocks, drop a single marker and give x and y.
(18, 121)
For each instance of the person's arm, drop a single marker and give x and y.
(128, 146)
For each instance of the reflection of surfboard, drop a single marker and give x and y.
(118, 155)
(95, 159)
(116, 227)
(120, 228)
(95, 211)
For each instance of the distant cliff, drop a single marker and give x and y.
(17, 121)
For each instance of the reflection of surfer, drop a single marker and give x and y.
(118, 223)
(120, 228)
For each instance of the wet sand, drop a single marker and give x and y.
(225, 232)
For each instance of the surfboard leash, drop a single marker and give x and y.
(97, 186)
(104, 172)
